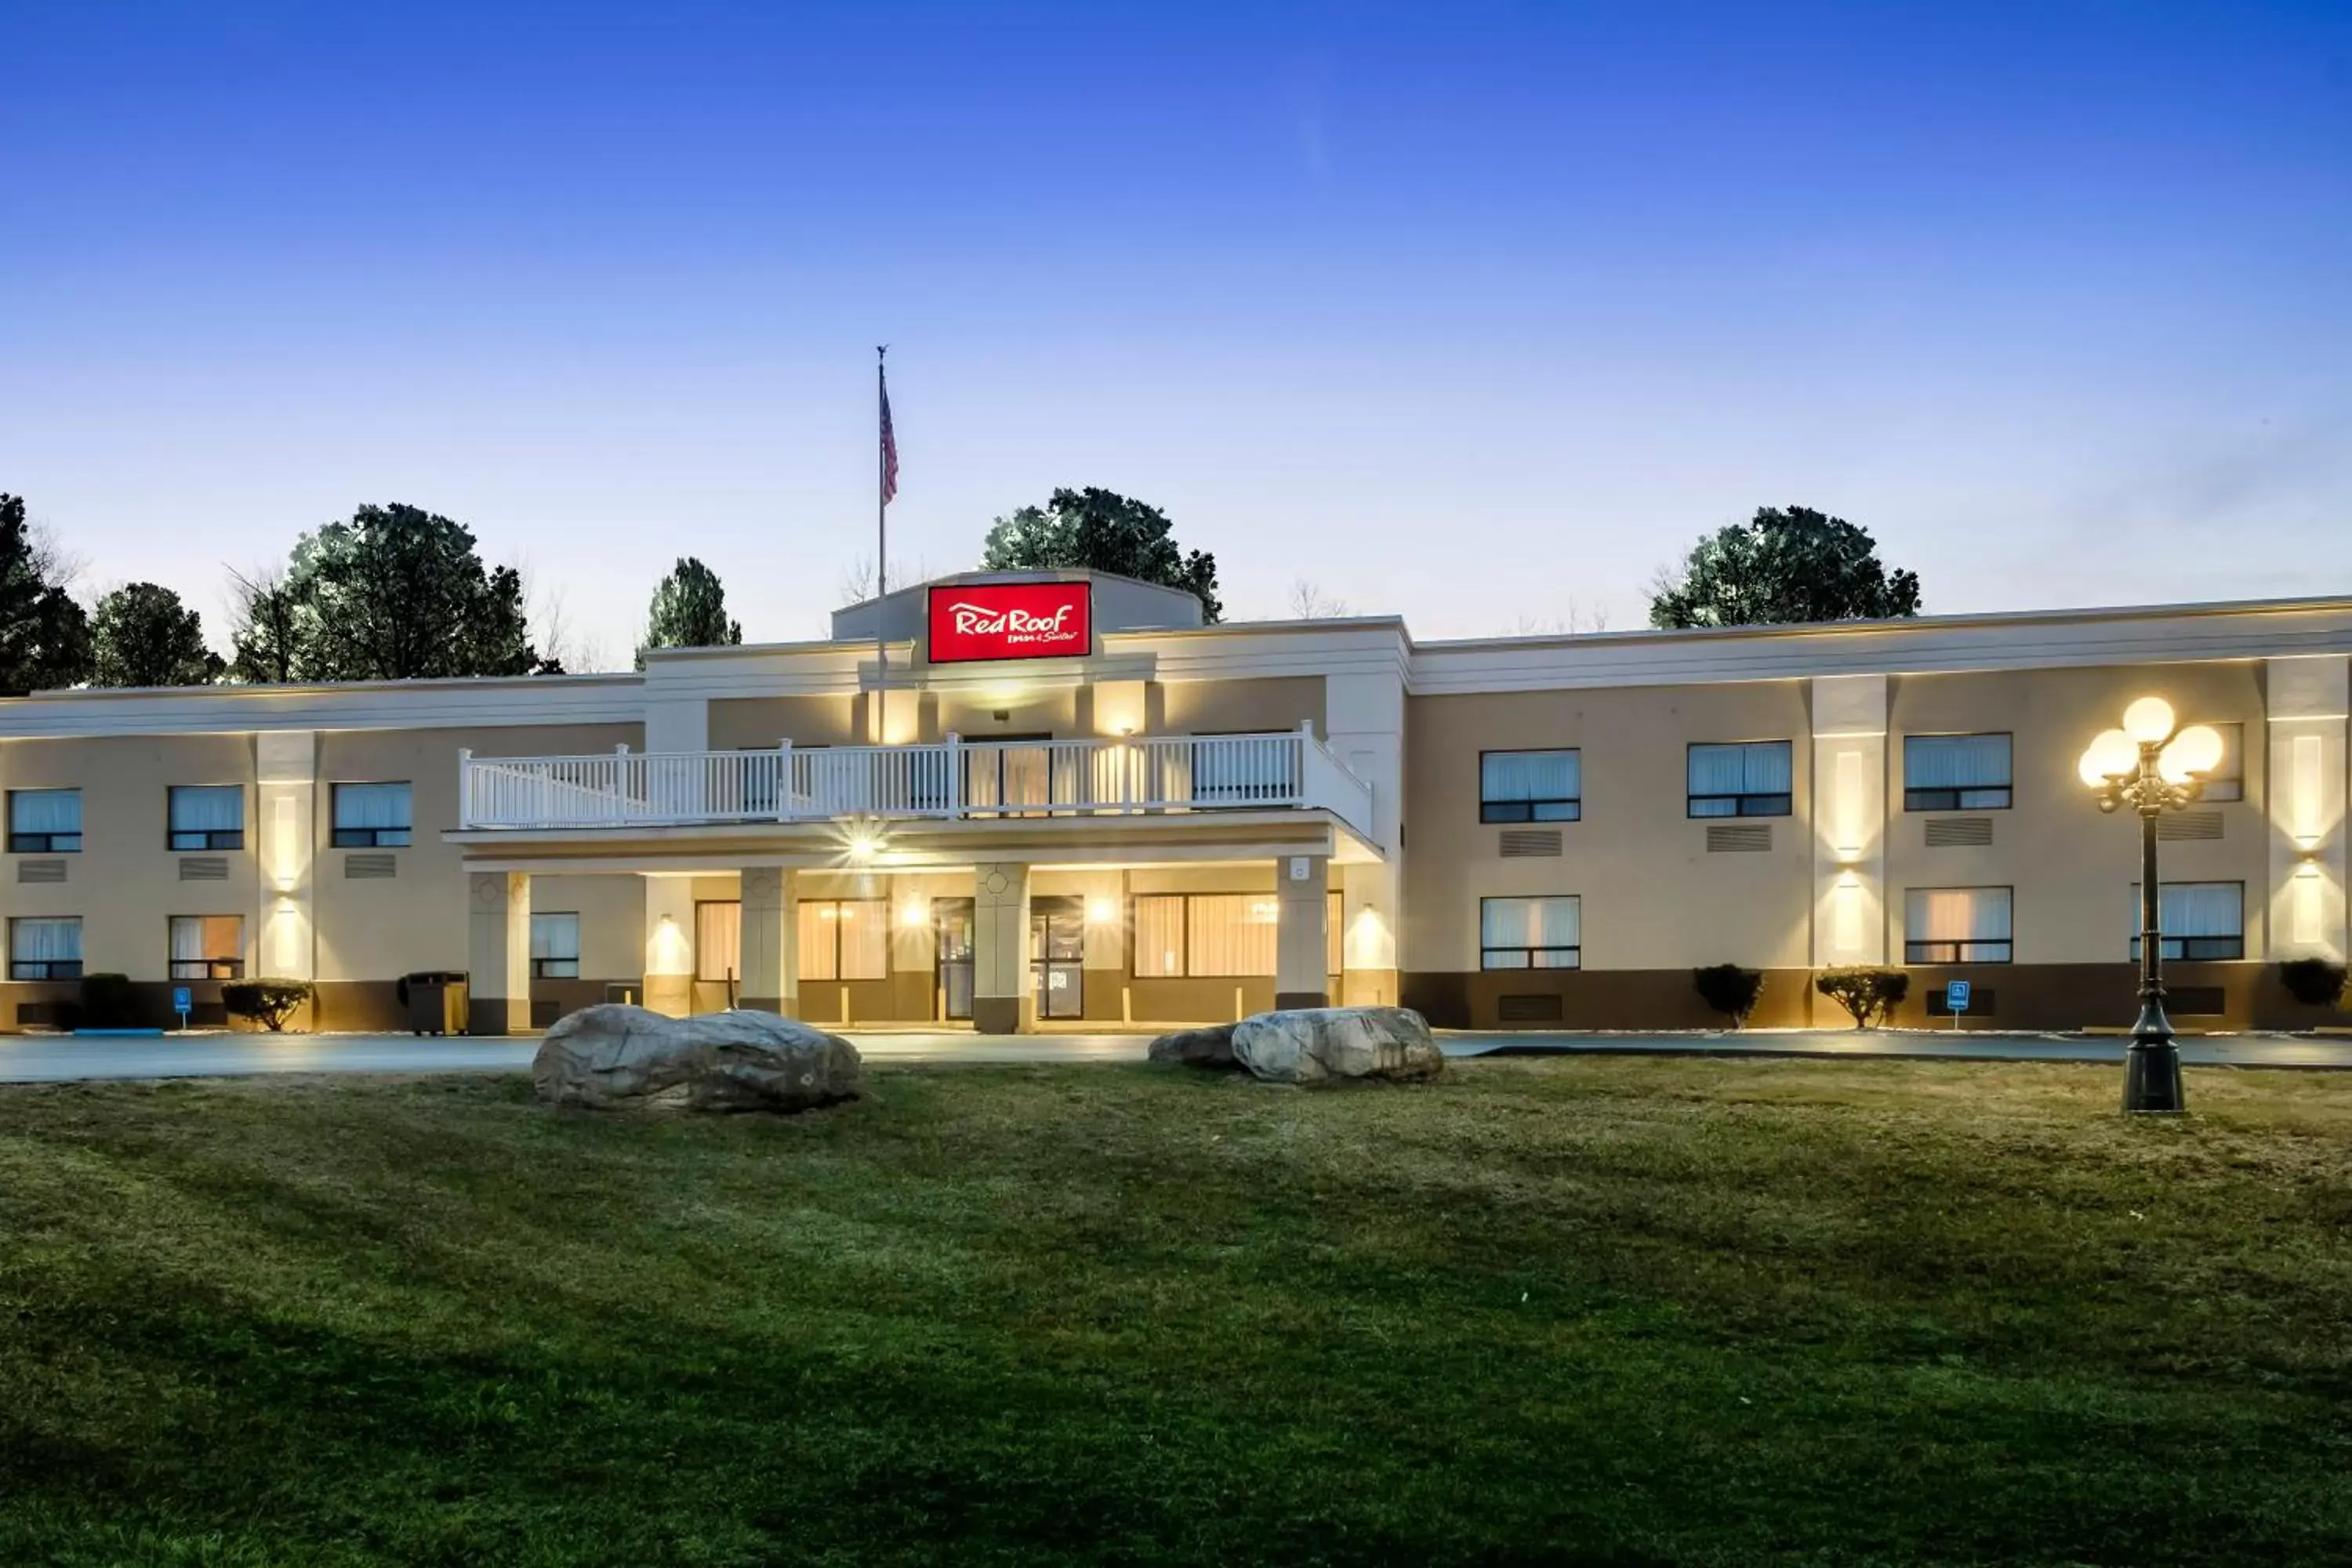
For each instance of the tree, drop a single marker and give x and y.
(1310, 603)
(1788, 565)
(689, 610)
(395, 594)
(144, 636)
(1105, 532)
(43, 634)
(1865, 993)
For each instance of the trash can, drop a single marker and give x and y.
(433, 1001)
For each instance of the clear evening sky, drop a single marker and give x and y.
(1474, 312)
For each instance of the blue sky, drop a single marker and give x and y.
(1479, 312)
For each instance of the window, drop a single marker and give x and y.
(555, 946)
(717, 939)
(1956, 772)
(1531, 933)
(1530, 787)
(1219, 936)
(2196, 919)
(371, 815)
(207, 816)
(845, 939)
(1957, 925)
(2228, 779)
(1750, 779)
(44, 949)
(207, 947)
(44, 822)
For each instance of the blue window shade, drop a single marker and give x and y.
(1530, 787)
(2196, 919)
(207, 816)
(371, 815)
(44, 821)
(47, 948)
(1750, 778)
(1956, 772)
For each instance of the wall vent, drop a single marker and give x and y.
(1517, 842)
(1746, 838)
(2189, 824)
(2195, 1001)
(356, 867)
(1954, 831)
(203, 868)
(40, 870)
(1529, 1009)
(35, 1016)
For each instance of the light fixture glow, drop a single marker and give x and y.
(2148, 720)
(2111, 756)
(1101, 910)
(2196, 750)
(914, 914)
(861, 846)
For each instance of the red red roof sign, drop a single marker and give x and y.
(974, 621)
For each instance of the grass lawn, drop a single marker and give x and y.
(1604, 1311)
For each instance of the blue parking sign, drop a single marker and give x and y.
(1956, 997)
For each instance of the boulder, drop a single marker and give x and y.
(1211, 1047)
(613, 1057)
(1333, 1045)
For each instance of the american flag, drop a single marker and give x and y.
(889, 450)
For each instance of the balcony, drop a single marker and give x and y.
(950, 780)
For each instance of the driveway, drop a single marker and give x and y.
(52, 1058)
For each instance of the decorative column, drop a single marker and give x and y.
(284, 797)
(1364, 726)
(1302, 939)
(1849, 820)
(2308, 701)
(1004, 992)
(499, 953)
(771, 940)
(669, 945)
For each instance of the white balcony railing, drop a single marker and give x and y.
(950, 779)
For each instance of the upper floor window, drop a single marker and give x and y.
(2228, 779)
(1752, 778)
(44, 949)
(45, 822)
(2195, 920)
(371, 815)
(555, 946)
(1957, 925)
(1531, 934)
(207, 816)
(1530, 787)
(1956, 772)
(207, 947)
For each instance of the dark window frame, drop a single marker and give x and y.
(43, 842)
(41, 968)
(181, 840)
(1509, 812)
(1960, 947)
(1741, 802)
(1574, 949)
(1960, 797)
(339, 838)
(2176, 949)
(538, 965)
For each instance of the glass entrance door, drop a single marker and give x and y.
(953, 917)
(1057, 939)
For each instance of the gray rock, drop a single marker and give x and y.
(612, 1058)
(1209, 1047)
(1331, 1045)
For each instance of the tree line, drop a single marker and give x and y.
(398, 593)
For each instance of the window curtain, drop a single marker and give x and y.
(1957, 914)
(2195, 908)
(717, 941)
(45, 811)
(818, 918)
(201, 939)
(188, 940)
(1522, 923)
(864, 925)
(1718, 770)
(207, 808)
(1955, 762)
(555, 936)
(1230, 934)
(1159, 936)
(46, 941)
(1531, 775)
(376, 806)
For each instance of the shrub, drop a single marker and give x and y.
(2314, 981)
(106, 1002)
(1866, 993)
(1729, 989)
(270, 1002)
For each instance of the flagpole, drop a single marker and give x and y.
(881, 546)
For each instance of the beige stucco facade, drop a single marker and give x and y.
(1320, 779)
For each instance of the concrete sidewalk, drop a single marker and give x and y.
(51, 1059)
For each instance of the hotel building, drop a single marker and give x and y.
(1042, 799)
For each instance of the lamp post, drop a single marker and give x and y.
(2152, 768)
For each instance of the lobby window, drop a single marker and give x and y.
(2226, 782)
(717, 939)
(1956, 772)
(1753, 778)
(207, 947)
(845, 939)
(1957, 925)
(1205, 936)
(44, 821)
(206, 816)
(44, 949)
(371, 815)
(2196, 919)
(1530, 787)
(1531, 934)
(555, 946)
